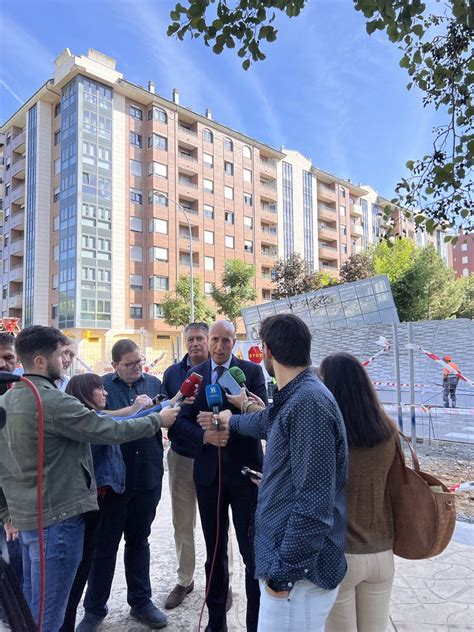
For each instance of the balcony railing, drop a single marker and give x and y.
(271, 186)
(329, 228)
(327, 247)
(187, 157)
(270, 231)
(187, 183)
(269, 253)
(185, 130)
(268, 208)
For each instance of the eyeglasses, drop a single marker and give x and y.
(133, 365)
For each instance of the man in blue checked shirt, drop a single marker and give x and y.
(300, 523)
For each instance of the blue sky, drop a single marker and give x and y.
(326, 89)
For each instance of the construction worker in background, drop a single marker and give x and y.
(450, 382)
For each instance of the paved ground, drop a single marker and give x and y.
(428, 596)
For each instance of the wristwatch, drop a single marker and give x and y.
(277, 586)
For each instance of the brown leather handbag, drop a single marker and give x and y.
(423, 519)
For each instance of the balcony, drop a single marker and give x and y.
(17, 195)
(269, 252)
(327, 231)
(327, 212)
(326, 192)
(184, 262)
(356, 229)
(16, 274)
(356, 209)
(19, 142)
(17, 221)
(18, 169)
(15, 301)
(327, 252)
(188, 134)
(330, 269)
(190, 161)
(268, 166)
(17, 247)
(268, 208)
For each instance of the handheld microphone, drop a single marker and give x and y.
(6, 377)
(214, 399)
(188, 387)
(239, 376)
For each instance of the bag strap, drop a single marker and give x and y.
(415, 460)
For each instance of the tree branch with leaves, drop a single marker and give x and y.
(236, 289)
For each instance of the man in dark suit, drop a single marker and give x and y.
(237, 491)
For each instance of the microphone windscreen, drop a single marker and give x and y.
(3, 417)
(6, 377)
(188, 387)
(214, 396)
(238, 375)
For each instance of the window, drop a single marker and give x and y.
(57, 109)
(136, 224)
(57, 166)
(158, 226)
(157, 114)
(248, 199)
(248, 245)
(56, 252)
(136, 112)
(248, 222)
(342, 210)
(136, 312)
(246, 152)
(88, 274)
(464, 247)
(465, 272)
(343, 249)
(208, 287)
(156, 311)
(229, 242)
(157, 197)
(103, 244)
(208, 160)
(105, 158)
(208, 237)
(54, 312)
(208, 185)
(208, 263)
(88, 241)
(157, 169)
(56, 194)
(228, 144)
(136, 168)
(56, 222)
(136, 196)
(158, 254)
(343, 229)
(57, 137)
(158, 142)
(229, 217)
(208, 211)
(136, 282)
(54, 282)
(247, 175)
(229, 193)
(207, 136)
(464, 259)
(136, 253)
(158, 283)
(229, 168)
(136, 139)
(342, 191)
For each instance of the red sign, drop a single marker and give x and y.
(255, 354)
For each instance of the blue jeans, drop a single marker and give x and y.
(63, 543)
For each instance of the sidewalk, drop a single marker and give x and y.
(428, 596)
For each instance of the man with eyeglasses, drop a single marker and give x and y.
(134, 510)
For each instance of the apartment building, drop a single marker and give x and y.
(101, 177)
(320, 214)
(462, 255)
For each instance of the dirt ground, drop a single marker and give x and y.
(452, 463)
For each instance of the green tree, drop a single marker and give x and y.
(427, 290)
(466, 288)
(293, 276)
(236, 290)
(177, 307)
(357, 267)
(437, 54)
(393, 259)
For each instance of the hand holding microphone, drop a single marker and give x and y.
(188, 390)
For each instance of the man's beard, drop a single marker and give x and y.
(53, 372)
(269, 366)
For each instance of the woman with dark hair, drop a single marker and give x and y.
(109, 471)
(362, 604)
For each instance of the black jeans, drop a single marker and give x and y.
(130, 514)
(241, 495)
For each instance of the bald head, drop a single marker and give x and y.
(221, 341)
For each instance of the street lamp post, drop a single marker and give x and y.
(191, 273)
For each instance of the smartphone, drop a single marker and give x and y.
(228, 384)
(246, 471)
(158, 398)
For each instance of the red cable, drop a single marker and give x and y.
(39, 488)
(218, 526)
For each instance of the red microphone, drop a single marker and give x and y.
(190, 387)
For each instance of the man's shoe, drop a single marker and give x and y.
(177, 595)
(150, 615)
(230, 600)
(89, 623)
(209, 629)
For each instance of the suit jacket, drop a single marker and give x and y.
(240, 450)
